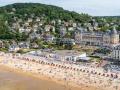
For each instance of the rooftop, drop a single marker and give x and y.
(58, 52)
(67, 52)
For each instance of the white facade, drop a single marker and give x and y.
(13, 48)
(21, 30)
(109, 38)
(75, 57)
(62, 55)
(116, 53)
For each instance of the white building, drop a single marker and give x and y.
(108, 38)
(24, 45)
(116, 53)
(49, 38)
(24, 29)
(70, 55)
(70, 29)
(47, 28)
(61, 55)
(13, 48)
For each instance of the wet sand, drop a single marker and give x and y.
(12, 80)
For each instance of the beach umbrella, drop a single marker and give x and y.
(62, 66)
(77, 69)
(95, 73)
(80, 69)
(59, 65)
(53, 64)
(41, 62)
(116, 76)
(99, 74)
(67, 67)
(107, 75)
(111, 75)
(71, 68)
(83, 70)
(103, 74)
(33, 60)
(91, 71)
(56, 65)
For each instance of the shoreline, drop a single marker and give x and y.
(46, 78)
(62, 76)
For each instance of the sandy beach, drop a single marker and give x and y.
(17, 80)
(29, 75)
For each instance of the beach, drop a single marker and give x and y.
(17, 80)
(34, 75)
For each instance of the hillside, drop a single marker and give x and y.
(10, 13)
(51, 12)
(18, 16)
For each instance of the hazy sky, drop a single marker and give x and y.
(92, 7)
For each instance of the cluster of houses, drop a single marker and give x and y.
(17, 47)
(38, 27)
(80, 33)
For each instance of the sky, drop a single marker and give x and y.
(91, 7)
